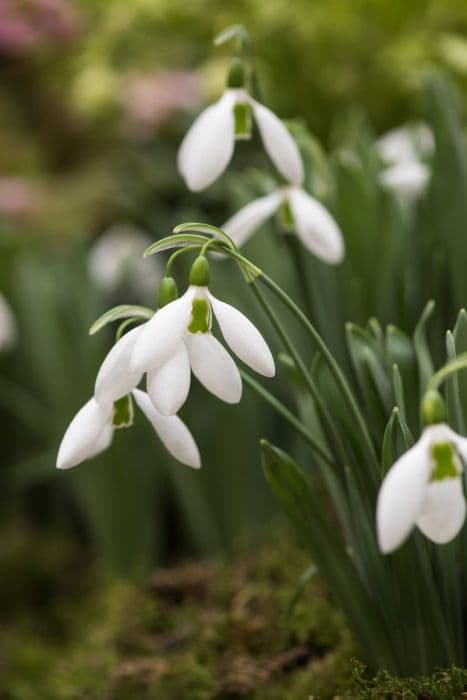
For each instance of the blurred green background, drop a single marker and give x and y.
(95, 97)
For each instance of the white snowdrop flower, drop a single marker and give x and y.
(116, 260)
(208, 146)
(424, 489)
(312, 222)
(115, 378)
(8, 329)
(91, 432)
(178, 341)
(403, 151)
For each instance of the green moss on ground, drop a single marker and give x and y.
(198, 631)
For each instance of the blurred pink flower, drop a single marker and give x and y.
(150, 100)
(17, 197)
(26, 25)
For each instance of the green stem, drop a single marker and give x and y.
(340, 454)
(174, 256)
(298, 259)
(329, 359)
(283, 411)
(456, 365)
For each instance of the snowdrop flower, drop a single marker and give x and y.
(208, 146)
(403, 150)
(314, 225)
(178, 338)
(116, 260)
(91, 432)
(424, 489)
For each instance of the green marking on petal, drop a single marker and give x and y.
(123, 412)
(446, 462)
(286, 217)
(243, 121)
(200, 316)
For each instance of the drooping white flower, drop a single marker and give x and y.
(312, 222)
(178, 341)
(208, 146)
(91, 432)
(116, 261)
(403, 150)
(424, 489)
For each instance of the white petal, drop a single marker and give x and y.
(249, 218)
(171, 430)
(279, 144)
(115, 377)
(87, 434)
(162, 334)
(208, 146)
(315, 227)
(168, 386)
(443, 510)
(406, 179)
(243, 338)
(213, 367)
(401, 496)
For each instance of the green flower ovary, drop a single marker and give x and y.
(200, 316)
(445, 462)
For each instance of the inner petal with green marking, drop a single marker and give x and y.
(243, 121)
(446, 463)
(200, 316)
(286, 217)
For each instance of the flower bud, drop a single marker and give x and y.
(199, 273)
(167, 291)
(236, 76)
(433, 408)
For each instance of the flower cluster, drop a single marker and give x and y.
(208, 148)
(176, 341)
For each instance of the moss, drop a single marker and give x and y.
(200, 631)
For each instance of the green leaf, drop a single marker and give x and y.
(311, 518)
(121, 312)
(422, 351)
(455, 415)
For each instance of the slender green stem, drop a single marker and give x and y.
(329, 359)
(340, 454)
(298, 258)
(282, 410)
(452, 367)
(174, 256)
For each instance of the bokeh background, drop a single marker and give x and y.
(95, 96)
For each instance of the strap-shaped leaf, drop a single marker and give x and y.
(424, 360)
(121, 312)
(307, 511)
